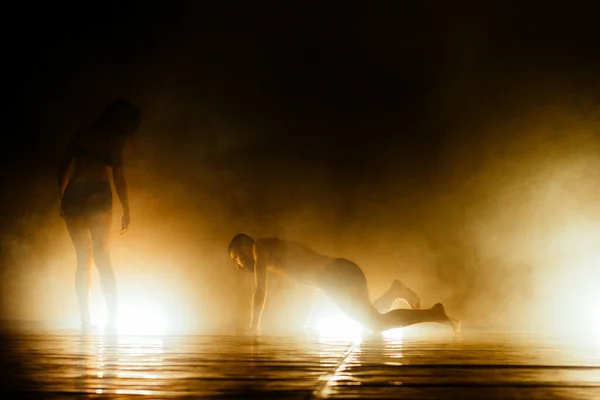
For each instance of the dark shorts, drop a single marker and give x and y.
(84, 199)
(341, 275)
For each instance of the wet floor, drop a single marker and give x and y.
(479, 365)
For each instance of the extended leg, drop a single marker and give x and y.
(354, 301)
(100, 229)
(401, 318)
(80, 236)
(397, 291)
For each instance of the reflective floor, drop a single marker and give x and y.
(479, 365)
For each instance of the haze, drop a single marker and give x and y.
(460, 155)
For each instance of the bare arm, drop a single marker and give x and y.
(121, 188)
(63, 172)
(260, 290)
(116, 145)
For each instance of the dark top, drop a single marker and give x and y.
(98, 147)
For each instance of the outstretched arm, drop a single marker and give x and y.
(121, 188)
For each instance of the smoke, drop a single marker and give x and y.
(535, 182)
(488, 236)
(476, 187)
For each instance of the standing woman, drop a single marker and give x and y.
(90, 159)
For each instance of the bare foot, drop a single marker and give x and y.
(440, 312)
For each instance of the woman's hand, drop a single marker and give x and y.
(125, 222)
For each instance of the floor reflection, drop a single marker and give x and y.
(119, 365)
(394, 365)
(491, 366)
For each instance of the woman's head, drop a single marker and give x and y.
(121, 117)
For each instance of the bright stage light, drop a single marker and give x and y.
(141, 318)
(135, 317)
(338, 326)
(572, 291)
(396, 334)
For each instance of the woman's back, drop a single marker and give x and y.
(95, 154)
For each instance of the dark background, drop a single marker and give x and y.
(418, 138)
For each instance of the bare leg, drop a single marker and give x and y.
(80, 236)
(397, 291)
(100, 229)
(354, 301)
(401, 318)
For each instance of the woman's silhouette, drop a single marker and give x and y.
(90, 159)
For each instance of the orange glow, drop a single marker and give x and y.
(338, 325)
(575, 290)
(137, 315)
(394, 334)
